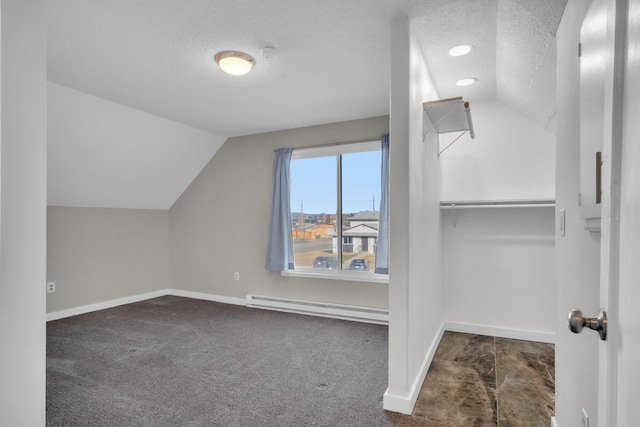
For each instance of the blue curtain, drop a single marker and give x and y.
(382, 246)
(280, 249)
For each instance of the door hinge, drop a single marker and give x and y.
(579, 50)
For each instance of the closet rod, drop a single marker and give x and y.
(497, 203)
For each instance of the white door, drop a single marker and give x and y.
(619, 371)
(627, 331)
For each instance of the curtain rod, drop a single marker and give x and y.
(333, 144)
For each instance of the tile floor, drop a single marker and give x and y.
(477, 380)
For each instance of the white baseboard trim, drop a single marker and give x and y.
(322, 312)
(405, 403)
(206, 297)
(494, 331)
(554, 422)
(56, 315)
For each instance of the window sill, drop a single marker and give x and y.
(337, 275)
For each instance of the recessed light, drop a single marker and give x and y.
(461, 49)
(466, 81)
(234, 63)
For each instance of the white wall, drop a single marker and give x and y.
(499, 263)
(96, 254)
(220, 224)
(499, 269)
(578, 252)
(415, 288)
(103, 154)
(22, 212)
(511, 157)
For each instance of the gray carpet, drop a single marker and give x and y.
(174, 361)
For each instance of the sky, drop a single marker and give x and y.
(314, 182)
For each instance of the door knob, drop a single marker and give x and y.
(577, 321)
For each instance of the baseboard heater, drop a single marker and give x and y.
(323, 309)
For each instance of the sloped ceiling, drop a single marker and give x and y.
(103, 154)
(332, 60)
(514, 55)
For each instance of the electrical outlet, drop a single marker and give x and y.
(585, 418)
(51, 287)
(236, 276)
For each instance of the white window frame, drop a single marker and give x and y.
(326, 151)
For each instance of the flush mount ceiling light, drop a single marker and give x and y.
(460, 50)
(234, 63)
(466, 81)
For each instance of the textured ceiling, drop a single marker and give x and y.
(513, 57)
(332, 63)
(157, 56)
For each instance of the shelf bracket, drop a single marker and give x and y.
(452, 142)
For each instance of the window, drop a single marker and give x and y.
(335, 196)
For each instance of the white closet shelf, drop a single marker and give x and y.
(511, 203)
(449, 115)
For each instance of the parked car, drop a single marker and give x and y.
(325, 262)
(359, 264)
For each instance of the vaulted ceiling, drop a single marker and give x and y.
(332, 60)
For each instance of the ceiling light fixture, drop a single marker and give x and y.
(460, 50)
(466, 81)
(235, 63)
